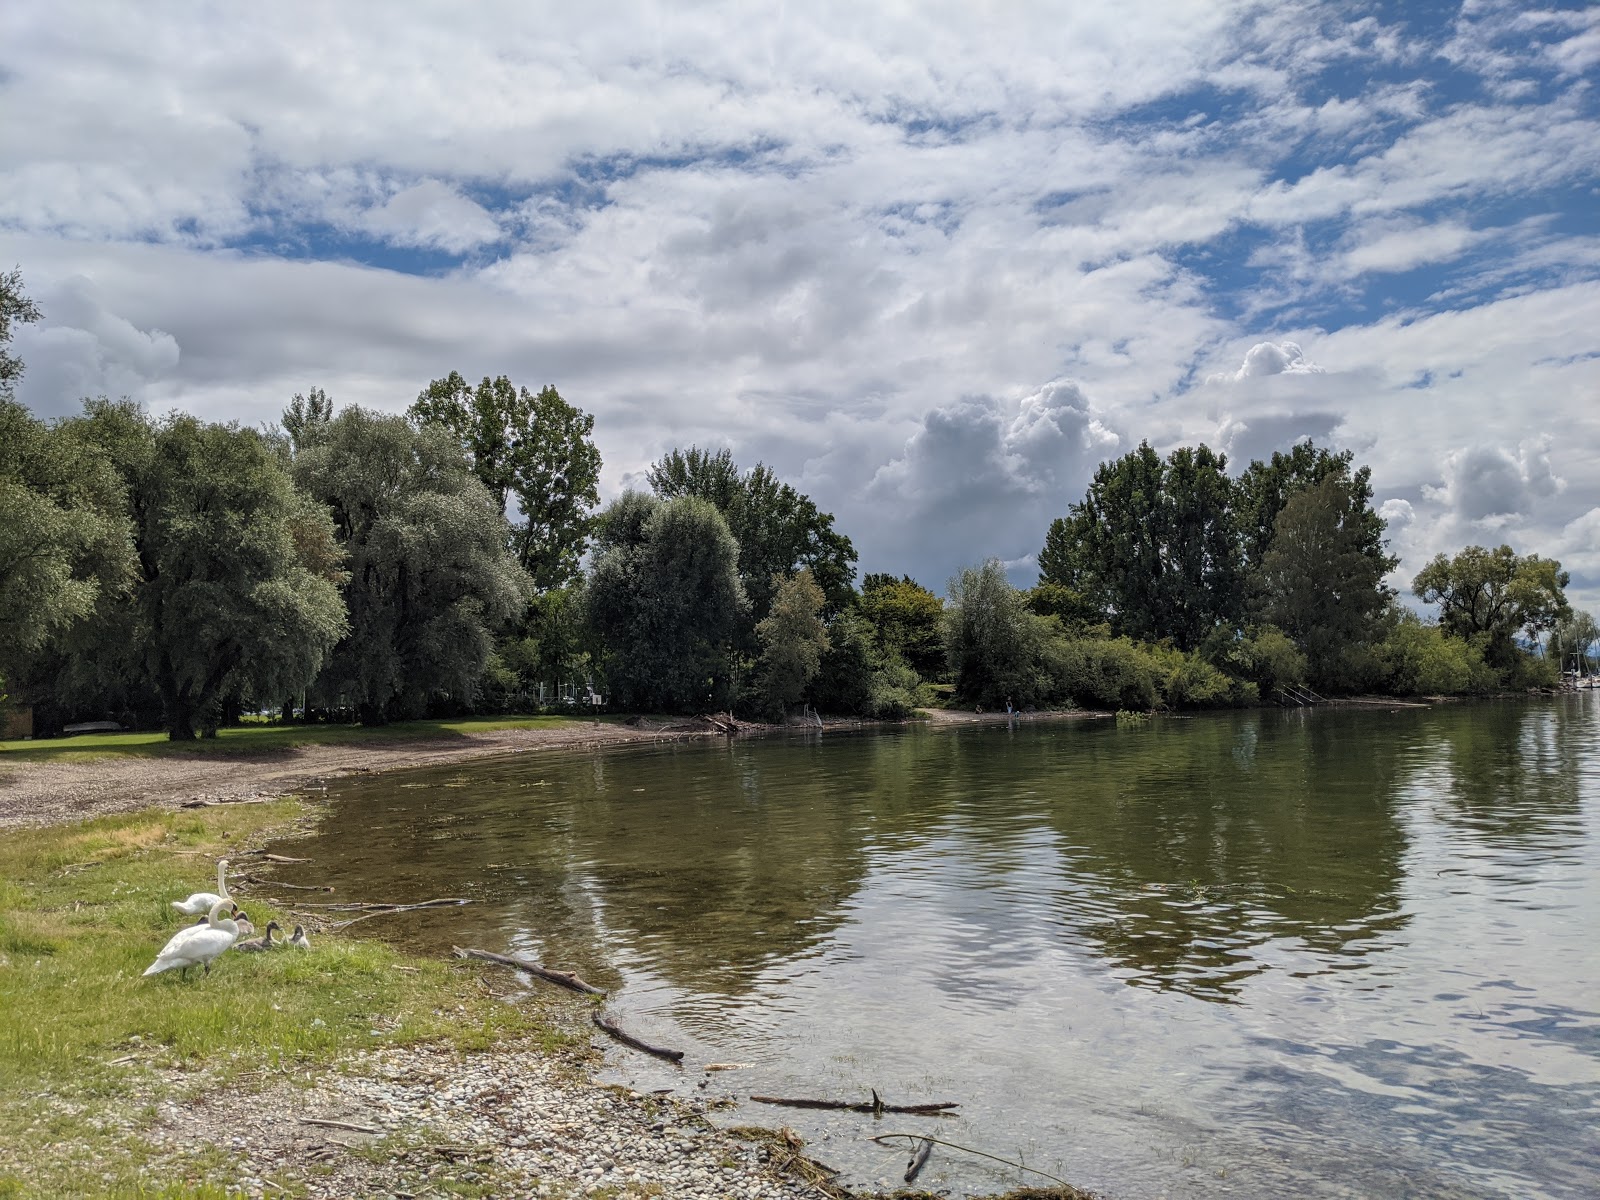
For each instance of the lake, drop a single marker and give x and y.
(1332, 952)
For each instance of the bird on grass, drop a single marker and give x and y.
(202, 901)
(264, 942)
(298, 938)
(197, 945)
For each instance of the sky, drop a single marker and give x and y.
(931, 262)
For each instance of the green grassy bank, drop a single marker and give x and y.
(88, 1046)
(266, 737)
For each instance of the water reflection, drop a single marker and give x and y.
(1287, 939)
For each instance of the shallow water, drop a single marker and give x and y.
(1317, 953)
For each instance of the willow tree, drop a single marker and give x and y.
(665, 601)
(1489, 596)
(430, 578)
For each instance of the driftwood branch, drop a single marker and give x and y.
(273, 858)
(875, 1105)
(298, 887)
(357, 906)
(1068, 1192)
(627, 1039)
(560, 978)
(339, 1125)
(919, 1160)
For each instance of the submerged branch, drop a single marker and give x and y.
(627, 1039)
(875, 1105)
(560, 978)
(883, 1139)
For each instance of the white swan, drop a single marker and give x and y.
(298, 938)
(196, 945)
(202, 901)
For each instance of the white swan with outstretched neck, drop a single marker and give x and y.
(197, 945)
(202, 901)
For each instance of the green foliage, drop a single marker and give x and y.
(234, 591)
(1076, 612)
(1152, 546)
(909, 620)
(1573, 641)
(778, 529)
(793, 641)
(1262, 656)
(430, 578)
(1319, 580)
(306, 419)
(15, 309)
(993, 644)
(1265, 488)
(665, 600)
(857, 677)
(64, 534)
(1493, 595)
(1422, 660)
(1108, 673)
(550, 646)
(536, 448)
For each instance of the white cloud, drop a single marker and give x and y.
(1270, 358)
(433, 215)
(1483, 483)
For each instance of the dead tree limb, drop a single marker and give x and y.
(875, 1105)
(627, 1039)
(919, 1160)
(273, 858)
(560, 978)
(298, 887)
(357, 906)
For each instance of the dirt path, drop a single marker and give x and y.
(44, 793)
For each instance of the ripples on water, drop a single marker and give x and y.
(1331, 953)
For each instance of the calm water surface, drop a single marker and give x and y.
(1330, 953)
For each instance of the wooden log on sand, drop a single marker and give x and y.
(627, 1039)
(560, 978)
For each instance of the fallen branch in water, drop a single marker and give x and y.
(298, 887)
(275, 858)
(560, 978)
(875, 1105)
(883, 1139)
(198, 803)
(355, 906)
(627, 1039)
(919, 1160)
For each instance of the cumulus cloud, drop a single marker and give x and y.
(985, 473)
(1397, 513)
(1270, 358)
(1487, 482)
(84, 349)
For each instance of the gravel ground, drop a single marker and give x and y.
(515, 1121)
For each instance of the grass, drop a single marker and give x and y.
(263, 737)
(88, 1045)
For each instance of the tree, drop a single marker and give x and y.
(15, 309)
(306, 419)
(1488, 596)
(233, 591)
(993, 644)
(1574, 638)
(64, 535)
(908, 620)
(1319, 583)
(779, 531)
(535, 448)
(1265, 488)
(430, 577)
(793, 641)
(1152, 546)
(665, 601)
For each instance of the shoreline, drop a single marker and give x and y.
(35, 793)
(518, 1115)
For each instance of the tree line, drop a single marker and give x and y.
(343, 563)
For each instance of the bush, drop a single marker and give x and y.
(1422, 660)
(1111, 673)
